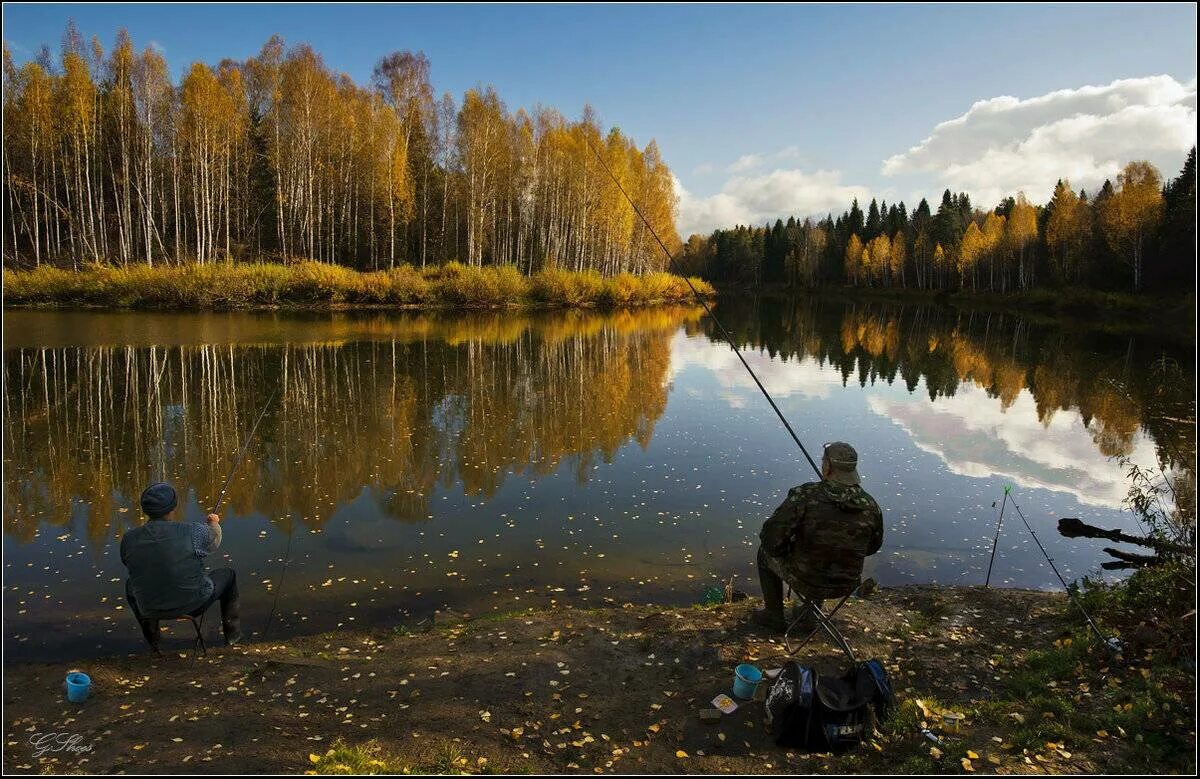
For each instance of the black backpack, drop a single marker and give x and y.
(814, 713)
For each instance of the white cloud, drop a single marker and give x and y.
(975, 436)
(783, 378)
(1004, 145)
(744, 163)
(767, 196)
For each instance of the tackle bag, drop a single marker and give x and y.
(814, 713)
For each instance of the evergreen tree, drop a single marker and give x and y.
(1178, 243)
(854, 220)
(874, 225)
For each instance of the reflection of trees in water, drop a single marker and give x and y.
(436, 400)
(1112, 381)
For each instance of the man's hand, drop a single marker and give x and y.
(213, 519)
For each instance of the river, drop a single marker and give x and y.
(483, 463)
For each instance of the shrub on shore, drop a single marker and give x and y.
(311, 283)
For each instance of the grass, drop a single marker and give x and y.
(1136, 705)
(370, 758)
(317, 284)
(1066, 703)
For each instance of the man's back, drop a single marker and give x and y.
(166, 574)
(829, 528)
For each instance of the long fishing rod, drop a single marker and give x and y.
(1109, 643)
(707, 310)
(987, 582)
(242, 454)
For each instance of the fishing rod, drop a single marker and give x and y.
(707, 310)
(1112, 644)
(996, 540)
(242, 454)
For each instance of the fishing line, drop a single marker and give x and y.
(287, 559)
(707, 310)
(1109, 643)
(229, 479)
(242, 454)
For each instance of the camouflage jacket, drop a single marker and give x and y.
(821, 534)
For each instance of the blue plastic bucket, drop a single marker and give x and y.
(78, 686)
(745, 681)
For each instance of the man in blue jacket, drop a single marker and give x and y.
(165, 559)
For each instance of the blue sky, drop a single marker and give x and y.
(812, 100)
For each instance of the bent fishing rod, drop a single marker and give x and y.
(700, 298)
(242, 454)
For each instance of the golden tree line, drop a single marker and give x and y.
(280, 157)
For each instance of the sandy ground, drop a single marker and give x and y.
(562, 690)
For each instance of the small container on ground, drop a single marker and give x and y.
(78, 685)
(746, 679)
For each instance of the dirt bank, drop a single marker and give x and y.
(609, 690)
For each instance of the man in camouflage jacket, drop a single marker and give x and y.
(817, 539)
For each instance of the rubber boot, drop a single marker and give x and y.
(150, 632)
(803, 619)
(231, 623)
(769, 619)
(771, 616)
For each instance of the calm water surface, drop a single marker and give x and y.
(480, 463)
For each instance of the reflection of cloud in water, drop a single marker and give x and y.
(974, 437)
(804, 378)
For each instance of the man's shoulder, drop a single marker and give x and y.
(805, 490)
(857, 496)
(847, 496)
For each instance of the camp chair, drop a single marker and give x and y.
(824, 622)
(196, 618)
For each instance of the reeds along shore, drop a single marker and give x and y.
(309, 283)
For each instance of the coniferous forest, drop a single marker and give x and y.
(279, 157)
(1135, 234)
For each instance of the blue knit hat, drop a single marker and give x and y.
(158, 500)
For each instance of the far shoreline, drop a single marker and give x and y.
(1119, 313)
(310, 285)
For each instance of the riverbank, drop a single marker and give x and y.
(1173, 317)
(323, 285)
(617, 690)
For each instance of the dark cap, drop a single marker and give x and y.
(843, 460)
(158, 500)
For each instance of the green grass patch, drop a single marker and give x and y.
(371, 758)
